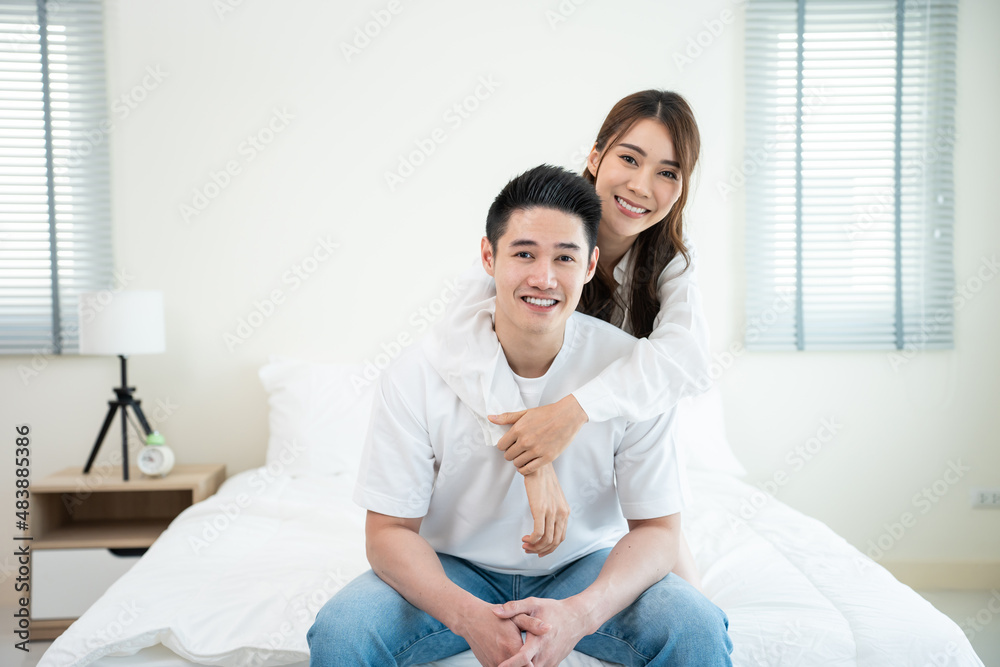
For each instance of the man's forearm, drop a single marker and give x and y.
(404, 560)
(640, 559)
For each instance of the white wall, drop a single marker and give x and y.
(323, 176)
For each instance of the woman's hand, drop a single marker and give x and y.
(549, 510)
(541, 434)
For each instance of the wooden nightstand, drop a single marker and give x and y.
(77, 520)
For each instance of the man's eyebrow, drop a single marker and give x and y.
(643, 153)
(521, 243)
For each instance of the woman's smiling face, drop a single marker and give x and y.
(639, 180)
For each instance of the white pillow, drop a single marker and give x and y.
(318, 416)
(700, 434)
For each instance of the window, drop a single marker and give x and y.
(55, 236)
(848, 174)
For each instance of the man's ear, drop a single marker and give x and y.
(593, 160)
(486, 254)
(592, 267)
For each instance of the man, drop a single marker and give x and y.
(447, 514)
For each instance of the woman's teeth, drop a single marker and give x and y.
(625, 206)
(545, 303)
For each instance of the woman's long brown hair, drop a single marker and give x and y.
(656, 246)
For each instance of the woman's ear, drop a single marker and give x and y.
(593, 160)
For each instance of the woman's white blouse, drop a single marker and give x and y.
(671, 364)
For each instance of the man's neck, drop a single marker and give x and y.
(528, 355)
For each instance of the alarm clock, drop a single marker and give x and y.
(156, 459)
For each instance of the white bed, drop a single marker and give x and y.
(236, 580)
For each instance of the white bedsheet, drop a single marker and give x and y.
(238, 578)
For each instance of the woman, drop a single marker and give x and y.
(641, 165)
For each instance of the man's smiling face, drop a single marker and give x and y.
(540, 266)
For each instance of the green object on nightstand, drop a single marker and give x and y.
(156, 459)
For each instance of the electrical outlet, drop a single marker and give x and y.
(985, 498)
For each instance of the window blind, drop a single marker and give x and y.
(848, 174)
(55, 237)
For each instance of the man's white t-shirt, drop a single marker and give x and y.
(428, 454)
(531, 389)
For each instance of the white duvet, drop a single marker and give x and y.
(238, 579)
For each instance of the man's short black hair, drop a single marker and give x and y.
(546, 186)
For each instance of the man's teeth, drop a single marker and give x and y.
(540, 302)
(630, 208)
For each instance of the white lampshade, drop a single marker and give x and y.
(124, 323)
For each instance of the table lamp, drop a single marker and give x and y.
(121, 324)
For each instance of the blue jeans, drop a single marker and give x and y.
(369, 623)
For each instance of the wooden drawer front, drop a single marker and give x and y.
(65, 582)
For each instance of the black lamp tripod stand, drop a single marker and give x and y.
(124, 401)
